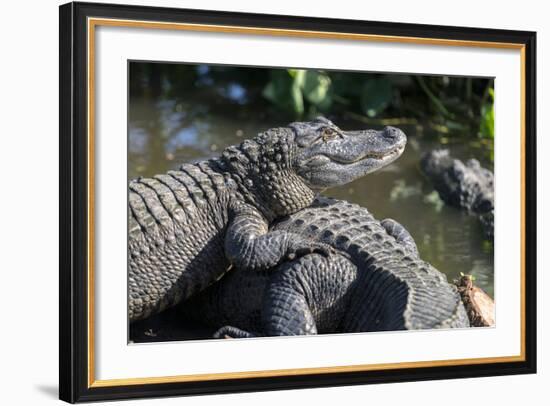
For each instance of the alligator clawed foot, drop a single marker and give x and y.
(228, 332)
(402, 236)
(324, 250)
(313, 247)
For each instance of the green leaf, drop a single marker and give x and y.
(487, 124)
(376, 96)
(284, 90)
(316, 87)
(296, 99)
(298, 75)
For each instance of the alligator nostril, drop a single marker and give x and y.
(394, 134)
(391, 132)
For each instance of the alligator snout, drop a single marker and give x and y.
(394, 134)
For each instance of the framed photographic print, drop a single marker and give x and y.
(255, 202)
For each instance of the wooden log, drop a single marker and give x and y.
(479, 305)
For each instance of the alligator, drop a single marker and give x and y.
(188, 226)
(375, 281)
(468, 185)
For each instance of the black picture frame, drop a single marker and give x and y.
(74, 200)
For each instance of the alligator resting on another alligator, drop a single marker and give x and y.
(468, 186)
(375, 281)
(188, 225)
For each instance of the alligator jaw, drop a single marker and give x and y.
(383, 155)
(371, 162)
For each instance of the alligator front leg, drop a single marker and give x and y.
(285, 313)
(401, 234)
(250, 245)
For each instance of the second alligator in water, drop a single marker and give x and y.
(467, 185)
(375, 282)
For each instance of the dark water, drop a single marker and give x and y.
(165, 133)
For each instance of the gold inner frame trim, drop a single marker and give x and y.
(94, 22)
(299, 371)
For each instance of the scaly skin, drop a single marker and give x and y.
(188, 226)
(374, 282)
(467, 186)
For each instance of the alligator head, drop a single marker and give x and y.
(282, 169)
(328, 156)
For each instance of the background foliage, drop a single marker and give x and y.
(447, 106)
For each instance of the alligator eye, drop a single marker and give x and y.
(328, 133)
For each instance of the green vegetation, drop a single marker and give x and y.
(449, 108)
(294, 89)
(487, 125)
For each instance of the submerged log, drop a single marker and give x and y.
(479, 305)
